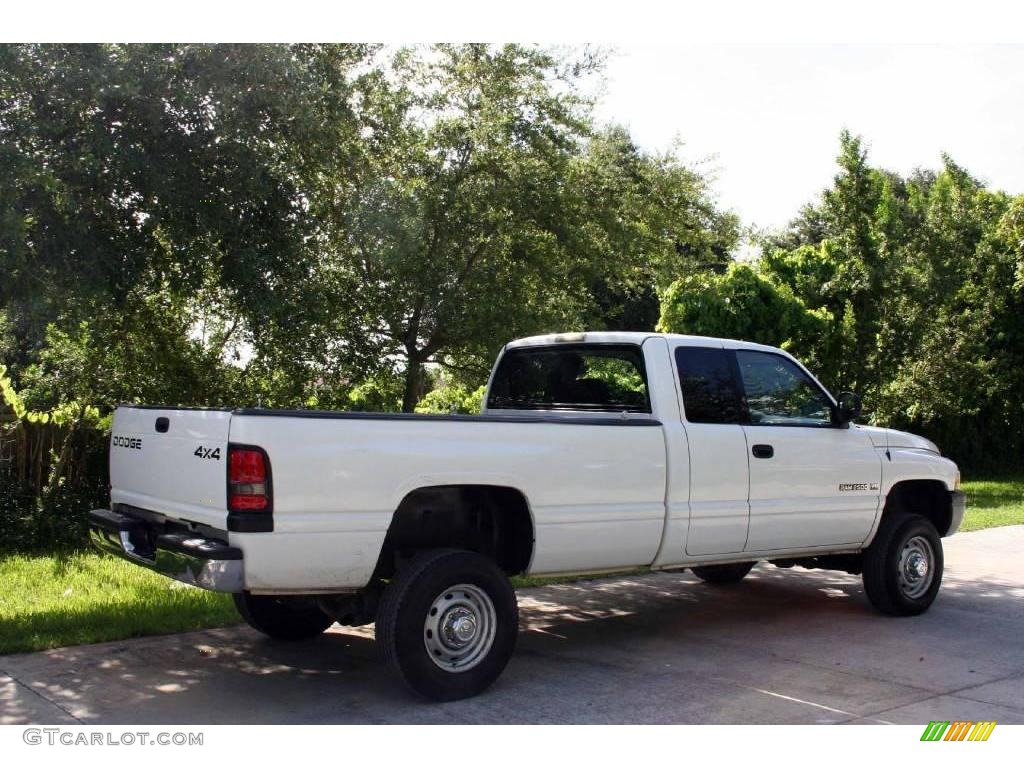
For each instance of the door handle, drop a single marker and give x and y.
(762, 451)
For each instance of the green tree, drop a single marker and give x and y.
(920, 275)
(486, 207)
(139, 173)
(456, 231)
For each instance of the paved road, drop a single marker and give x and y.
(785, 646)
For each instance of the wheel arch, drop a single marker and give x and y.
(494, 520)
(928, 498)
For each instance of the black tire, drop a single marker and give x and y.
(892, 578)
(282, 618)
(415, 601)
(730, 573)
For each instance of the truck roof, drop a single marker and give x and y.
(628, 337)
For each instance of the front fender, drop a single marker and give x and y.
(901, 464)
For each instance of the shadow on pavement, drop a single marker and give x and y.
(785, 645)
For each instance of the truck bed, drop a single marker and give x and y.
(594, 485)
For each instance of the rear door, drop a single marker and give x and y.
(719, 482)
(171, 461)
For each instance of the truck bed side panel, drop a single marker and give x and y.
(595, 491)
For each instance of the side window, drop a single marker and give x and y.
(778, 392)
(572, 378)
(709, 387)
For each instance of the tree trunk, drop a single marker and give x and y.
(413, 385)
(57, 469)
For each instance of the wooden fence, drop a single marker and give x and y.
(31, 451)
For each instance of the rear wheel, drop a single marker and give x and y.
(903, 566)
(722, 574)
(448, 623)
(282, 618)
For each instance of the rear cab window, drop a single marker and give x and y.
(571, 377)
(708, 380)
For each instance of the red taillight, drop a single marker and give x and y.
(247, 501)
(247, 466)
(248, 479)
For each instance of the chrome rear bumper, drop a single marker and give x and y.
(205, 563)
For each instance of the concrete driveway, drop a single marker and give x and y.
(785, 646)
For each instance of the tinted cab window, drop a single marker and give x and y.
(571, 377)
(779, 393)
(710, 395)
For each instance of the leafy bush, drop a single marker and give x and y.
(455, 398)
(741, 304)
(380, 394)
(28, 524)
(53, 470)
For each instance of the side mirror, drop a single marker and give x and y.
(848, 406)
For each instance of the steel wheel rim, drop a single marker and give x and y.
(460, 627)
(916, 567)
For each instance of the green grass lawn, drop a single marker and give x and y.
(991, 503)
(48, 601)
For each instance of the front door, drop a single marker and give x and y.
(811, 483)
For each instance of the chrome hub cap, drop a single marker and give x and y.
(459, 628)
(915, 567)
(918, 565)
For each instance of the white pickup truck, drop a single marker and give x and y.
(595, 452)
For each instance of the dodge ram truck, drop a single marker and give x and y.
(594, 453)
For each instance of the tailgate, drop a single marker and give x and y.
(172, 461)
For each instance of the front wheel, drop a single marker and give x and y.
(448, 623)
(282, 618)
(903, 566)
